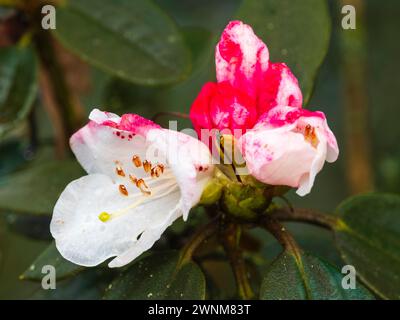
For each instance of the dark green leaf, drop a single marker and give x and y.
(52, 257)
(123, 97)
(35, 190)
(159, 276)
(132, 39)
(369, 239)
(16, 253)
(88, 285)
(31, 226)
(17, 86)
(296, 32)
(289, 279)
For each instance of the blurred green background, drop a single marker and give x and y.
(356, 87)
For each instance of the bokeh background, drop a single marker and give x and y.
(357, 87)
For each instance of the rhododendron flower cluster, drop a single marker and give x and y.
(281, 143)
(141, 177)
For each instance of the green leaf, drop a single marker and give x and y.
(87, 285)
(124, 97)
(368, 238)
(36, 189)
(296, 32)
(311, 278)
(159, 276)
(51, 256)
(131, 39)
(17, 86)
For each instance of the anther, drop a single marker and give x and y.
(123, 190)
(120, 171)
(143, 187)
(136, 161)
(156, 171)
(310, 136)
(133, 179)
(147, 166)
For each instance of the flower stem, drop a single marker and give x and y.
(283, 236)
(305, 215)
(230, 241)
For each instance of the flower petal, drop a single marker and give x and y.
(84, 239)
(99, 147)
(105, 142)
(220, 106)
(147, 239)
(241, 58)
(289, 146)
(280, 88)
(200, 109)
(109, 213)
(277, 157)
(189, 160)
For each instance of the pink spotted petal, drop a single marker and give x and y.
(241, 58)
(107, 138)
(200, 109)
(131, 122)
(289, 146)
(277, 157)
(221, 106)
(279, 88)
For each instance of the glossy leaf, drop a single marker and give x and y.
(311, 279)
(36, 189)
(52, 257)
(17, 86)
(159, 276)
(131, 39)
(369, 239)
(296, 32)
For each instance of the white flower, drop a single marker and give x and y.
(141, 178)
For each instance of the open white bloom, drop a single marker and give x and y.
(141, 178)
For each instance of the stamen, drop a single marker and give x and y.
(310, 135)
(156, 171)
(120, 171)
(141, 183)
(136, 161)
(123, 190)
(147, 166)
(143, 187)
(133, 179)
(105, 216)
(307, 130)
